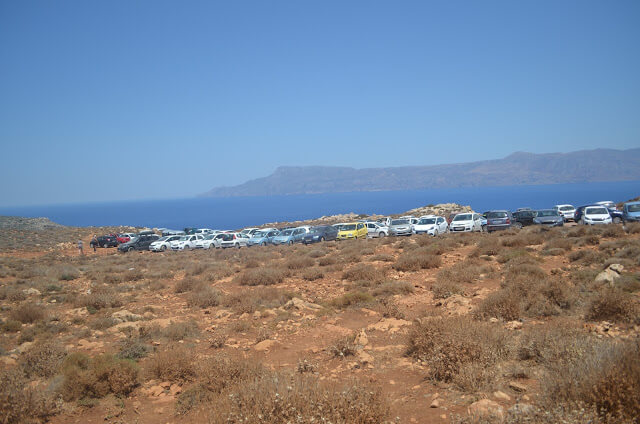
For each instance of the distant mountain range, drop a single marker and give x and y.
(516, 169)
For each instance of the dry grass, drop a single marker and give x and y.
(364, 272)
(43, 359)
(352, 299)
(613, 305)
(176, 364)
(416, 261)
(258, 298)
(22, 402)
(28, 313)
(261, 277)
(86, 377)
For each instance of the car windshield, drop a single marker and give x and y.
(596, 211)
(184, 238)
(400, 222)
(209, 237)
(163, 238)
(286, 233)
(427, 221)
(463, 217)
(566, 208)
(348, 227)
(259, 234)
(316, 230)
(547, 212)
(633, 208)
(492, 215)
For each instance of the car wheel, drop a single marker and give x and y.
(290, 242)
(435, 233)
(237, 245)
(130, 249)
(381, 234)
(617, 220)
(164, 247)
(517, 226)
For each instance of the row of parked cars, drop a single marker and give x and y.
(494, 220)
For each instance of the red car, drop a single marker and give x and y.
(125, 237)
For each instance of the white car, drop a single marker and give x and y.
(593, 215)
(375, 229)
(203, 231)
(186, 242)
(249, 231)
(431, 224)
(385, 222)
(466, 222)
(607, 204)
(234, 240)
(568, 212)
(210, 241)
(163, 243)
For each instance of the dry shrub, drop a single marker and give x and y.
(206, 298)
(490, 246)
(317, 253)
(11, 326)
(450, 346)
(43, 359)
(176, 364)
(632, 227)
(100, 298)
(559, 243)
(391, 288)
(606, 377)
(501, 304)
(587, 257)
(555, 251)
(613, 231)
(512, 257)
(417, 260)
(258, 298)
(278, 398)
(555, 344)
(354, 298)
(613, 304)
(177, 331)
(22, 402)
(444, 290)
(261, 276)
(215, 375)
(300, 262)
(134, 349)
(343, 347)
(97, 377)
(313, 274)
(187, 285)
(389, 309)
(466, 272)
(327, 260)
(363, 272)
(28, 313)
(381, 257)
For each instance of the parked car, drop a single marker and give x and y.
(431, 224)
(320, 233)
(209, 241)
(385, 222)
(291, 235)
(108, 240)
(631, 212)
(499, 220)
(163, 243)
(400, 227)
(607, 204)
(352, 230)
(263, 237)
(466, 222)
(616, 216)
(593, 215)
(249, 231)
(140, 242)
(203, 231)
(375, 229)
(186, 242)
(125, 237)
(568, 212)
(549, 218)
(234, 240)
(524, 218)
(168, 232)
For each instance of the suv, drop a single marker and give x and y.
(568, 212)
(523, 218)
(631, 212)
(108, 240)
(140, 242)
(499, 220)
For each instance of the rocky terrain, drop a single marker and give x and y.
(30, 224)
(540, 325)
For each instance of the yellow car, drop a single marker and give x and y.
(352, 230)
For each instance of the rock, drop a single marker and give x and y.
(257, 315)
(363, 357)
(7, 360)
(493, 319)
(31, 290)
(391, 325)
(265, 345)
(361, 339)
(125, 316)
(610, 275)
(23, 347)
(299, 304)
(521, 408)
(486, 408)
(435, 403)
(269, 313)
(513, 325)
(517, 387)
(175, 390)
(165, 384)
(501, 396)
(155, 391)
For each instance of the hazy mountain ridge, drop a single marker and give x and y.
(519, 168)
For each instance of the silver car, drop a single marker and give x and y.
(400, 227)
(375, 229)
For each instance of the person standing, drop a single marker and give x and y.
(94, 242)
(80, 247)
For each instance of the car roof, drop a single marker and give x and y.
(632, 203)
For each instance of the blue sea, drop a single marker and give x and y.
(238, 212)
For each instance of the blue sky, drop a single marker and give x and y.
(154, 99)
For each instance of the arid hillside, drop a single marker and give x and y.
(530, 326)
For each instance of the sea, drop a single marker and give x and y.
(239, 212)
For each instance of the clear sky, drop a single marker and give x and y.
(124, 100)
